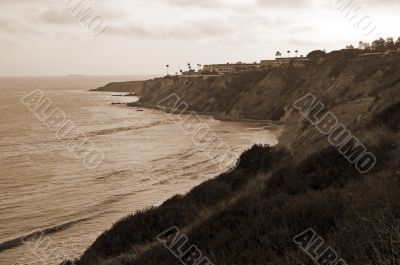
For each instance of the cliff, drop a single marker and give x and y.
(136, 87)
(352, 87)
(251, 214)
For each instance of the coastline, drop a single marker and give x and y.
(217, 115)
(303, 182)
(276, 127)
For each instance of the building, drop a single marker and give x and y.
(298, 61)
(231, 68)
(268, 63)
(217, 68)
(294, 61)
(244, 67)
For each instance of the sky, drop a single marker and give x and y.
(135, 37)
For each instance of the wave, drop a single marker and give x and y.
(122, 129)
(38, 234)
(179, 156)
(39, 144)
(107, 176)
(116, 198)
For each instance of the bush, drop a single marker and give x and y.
(327, 168)
(316, 54)
(389, 117)
(262, 157)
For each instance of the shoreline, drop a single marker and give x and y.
(278, 131)
(303, 182)
(217, 115)
(275, 127)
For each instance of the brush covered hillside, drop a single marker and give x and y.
(251, 214)
(352, 87)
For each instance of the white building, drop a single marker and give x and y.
(231, 68)
(294, 61)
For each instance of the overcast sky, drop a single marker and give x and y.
(42, 37)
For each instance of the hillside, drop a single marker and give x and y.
(352, 87)
(251, 214)
(132, 86)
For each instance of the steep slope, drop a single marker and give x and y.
(136, 87)
(250, 215)
(352, 87)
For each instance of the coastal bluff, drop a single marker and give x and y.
(251, 214)
(354, 87)
(136, 87)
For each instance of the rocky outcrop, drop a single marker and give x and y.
(135, 87)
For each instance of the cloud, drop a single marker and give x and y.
(189, 29)
(197, 3)
(55, 16)
(232, 4)
(7, 26)
(289, 4)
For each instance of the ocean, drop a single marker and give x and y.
(46, 191)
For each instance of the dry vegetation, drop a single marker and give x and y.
(305, 184)
(357, 214)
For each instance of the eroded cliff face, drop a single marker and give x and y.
(251, 214)
(352, 87)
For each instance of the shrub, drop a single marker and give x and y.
(389, 117)
(321, 170)
(262, 157)
(316, 54)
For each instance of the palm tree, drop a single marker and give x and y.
(198, 67)
(167, 69)
(190, 69)
(278, 54)
(288, 52)
(296, 51)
